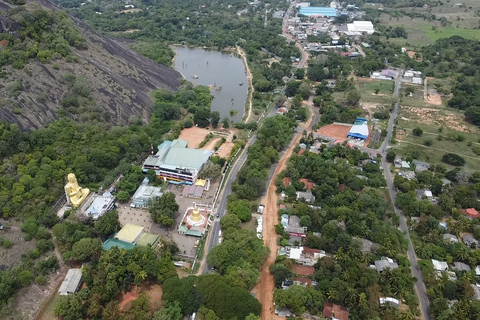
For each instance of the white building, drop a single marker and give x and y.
(360, 27)
(439, 265)
(71, 283)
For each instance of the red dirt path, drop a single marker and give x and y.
(264, 288)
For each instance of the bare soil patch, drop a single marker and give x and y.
(155, 293)
(226, 150)
(131, 30)
(432, 116)
(335, 131)
(11, 257)
(370, 107)
(130, 10)
(434, 98)
(194, 136)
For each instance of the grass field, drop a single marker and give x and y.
(369, 93)
(462, 21)
(447, 32)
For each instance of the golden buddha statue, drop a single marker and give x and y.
(196, 216)
(75, 194)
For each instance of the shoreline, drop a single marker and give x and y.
(240, 53)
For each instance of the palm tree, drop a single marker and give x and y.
(332, 294)
(405, 315)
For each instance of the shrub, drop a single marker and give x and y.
(41, 280)
(418, 132)
(428, 142)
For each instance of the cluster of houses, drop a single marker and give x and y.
(320, 21)
(441, 268)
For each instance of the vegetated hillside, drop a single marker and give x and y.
(96, 79)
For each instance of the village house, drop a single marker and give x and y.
(460, 266)
(450, 238)
(470, 241)
(335, 312)
(385, 263)
(308, 196)
(439, 265)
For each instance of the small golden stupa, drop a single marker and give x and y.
(196, 216)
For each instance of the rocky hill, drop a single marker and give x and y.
(114, 81)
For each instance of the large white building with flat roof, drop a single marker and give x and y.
(177, 163)
(361, 27)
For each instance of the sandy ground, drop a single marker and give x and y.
(243, 55)
(431, 96)
(131, 30)
(370, 107)
(335, 131)
(226, 149)
(194, 136)
(432, 116)
(265, 287)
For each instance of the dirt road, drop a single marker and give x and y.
(266, 285)
(243, 55)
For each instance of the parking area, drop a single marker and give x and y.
(142, 217)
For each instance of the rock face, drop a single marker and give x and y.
(120, 81)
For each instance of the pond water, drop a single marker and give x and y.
(220, 69)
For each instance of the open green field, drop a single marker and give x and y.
(376, 91)
(461, 20)
(441, 126)
(448, 32)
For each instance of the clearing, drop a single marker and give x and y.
(196, 135)
(336, 131)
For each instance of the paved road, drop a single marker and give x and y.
(213, 237)
(417, 273)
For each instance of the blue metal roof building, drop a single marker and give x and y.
(318, 11)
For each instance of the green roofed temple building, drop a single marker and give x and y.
(177, 163)
(130, 236)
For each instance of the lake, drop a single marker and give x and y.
(216, 68)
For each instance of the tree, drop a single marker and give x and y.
(183, 292)
(139, 309)
(472, 114)
(280, 273)
(293, 298)
(69, 307)
(391, 155)
(233, 113)
(300, 73)
(280, 100)
(226, 123)
(304, 90)
(227, 301)
(292, 88)
(172, 311)
(163, 209)
(215, 115)
(241, 208)
(230, 221)
(86, 248)
(123, 196)
(210, 170)
(453, 159)
(201, 117)
(353, 97)
(305, 221)
(107, 224)
(417, 132)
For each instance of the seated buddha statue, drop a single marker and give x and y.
(75, 194)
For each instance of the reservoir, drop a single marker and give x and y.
(220, 69)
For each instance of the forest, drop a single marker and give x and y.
(350, 207)
(41, 34)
